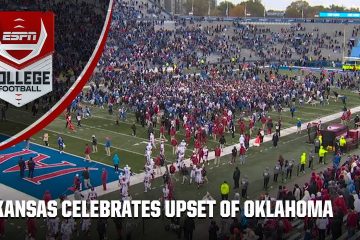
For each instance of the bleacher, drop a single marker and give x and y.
(149, 9)
(297, 231)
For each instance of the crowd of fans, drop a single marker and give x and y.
(164, 77)
(151, 73)
(339, 183)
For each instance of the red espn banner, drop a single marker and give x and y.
(22, 49)
(26, 37)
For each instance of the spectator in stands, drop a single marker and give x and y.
(322, 224)
(335, 222)
(189, 227)
(352, 222)
(31, 228)
(213, 231)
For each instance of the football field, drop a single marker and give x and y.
(131, 149)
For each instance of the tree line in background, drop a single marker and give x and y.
(255, 8)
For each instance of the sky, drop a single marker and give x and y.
(282, 4)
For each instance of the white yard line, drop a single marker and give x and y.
(118, 133)
(138, 178)
(80, 138)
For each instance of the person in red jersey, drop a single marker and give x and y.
(104, 177)
(172, 132)
(220, 130)
(341, 204)
(187, 135)
(69, 123)
(162, 132)
(242, 153)
(47, 197)
(224, 121)
(241, 126)
(158, 165)
(172, 170)
(201, 154)
(352, 222)
(31, 228)
(77, 182)
(269, 125)
(217, 155)
(251, 126)
(174, 144)
(177, 124)
(257, 141)
(263, 121)
(215, 131)
(197, 144)
(206, 155)
(194, 158)
(87, 152)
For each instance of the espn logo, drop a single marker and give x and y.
(26, 48)
(19, 36)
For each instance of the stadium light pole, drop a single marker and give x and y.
(344, 44)
(302, 9)
(209, 10)
(227, 9)
(245, 12)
